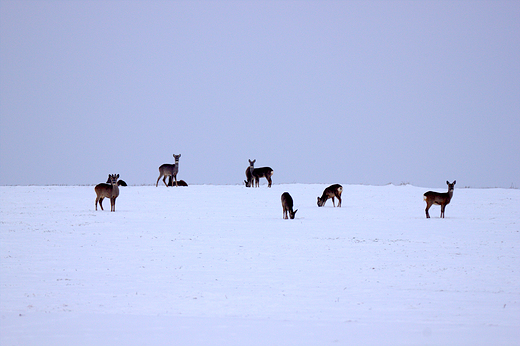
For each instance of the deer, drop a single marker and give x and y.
(167, 170)
(109, 191)
(257, 173)
(119, 182)
(332, 191)
(439, 198)
(249, 173)
(287, 206)
(179, 182)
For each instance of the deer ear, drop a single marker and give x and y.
(295, 211)
(454, 182)
(447, 182)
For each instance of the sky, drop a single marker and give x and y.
(354, 92)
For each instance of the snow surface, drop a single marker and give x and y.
(217, 265)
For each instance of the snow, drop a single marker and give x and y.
(217, 265)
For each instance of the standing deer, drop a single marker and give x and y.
(332, 191)
(109, 191)
(119, 182)
(439, 198)
(257, 173)
(287, 206)
(249, 173)
(169, 170)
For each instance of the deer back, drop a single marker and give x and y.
(287, 201)
(440, 198)
(108, 190)
(334, 190)
(262, 172)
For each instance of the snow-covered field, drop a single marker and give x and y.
(217, 265)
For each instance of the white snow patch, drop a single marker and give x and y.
(217, 265)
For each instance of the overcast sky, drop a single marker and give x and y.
(370, 92)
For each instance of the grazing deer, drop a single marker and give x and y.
(109, 191)
(439, 198)
(169, 170)
(332, 191)
(287, 206)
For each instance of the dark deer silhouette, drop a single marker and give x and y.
(287, 206)
(169, 170)
(179, 182)
(249, 174)
(253, 175)
(109, 191)
(119, 182)
(439, 198)
(332, 191)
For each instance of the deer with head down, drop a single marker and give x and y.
(332, 191)
(439, 198)
(109, 191)
(287, 206)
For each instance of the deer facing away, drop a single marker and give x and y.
(332, 191)
(168, 169)
(439, 198)
(287, 206)
(109, 191)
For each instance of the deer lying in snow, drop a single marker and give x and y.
(439, 198)
(332, 191)
(287, 206)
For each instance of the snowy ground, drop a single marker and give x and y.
(217, 265)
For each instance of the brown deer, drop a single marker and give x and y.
(332, 191)
(256, 174)
(439, 198)
(287, 206)
(109, 191)
(119, 182)
(167, 170)
(249, 173)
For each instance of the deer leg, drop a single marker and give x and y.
(157, 183)
(442, 210)
(101, 203)
(175, 176)
(112, 204)
(426, 210)
(339, 201)
(269, 180)
(164, 180)
(97, 200)
(333, 202)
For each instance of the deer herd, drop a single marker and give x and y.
(110, 189)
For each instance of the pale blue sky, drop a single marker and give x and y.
(370, 92)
